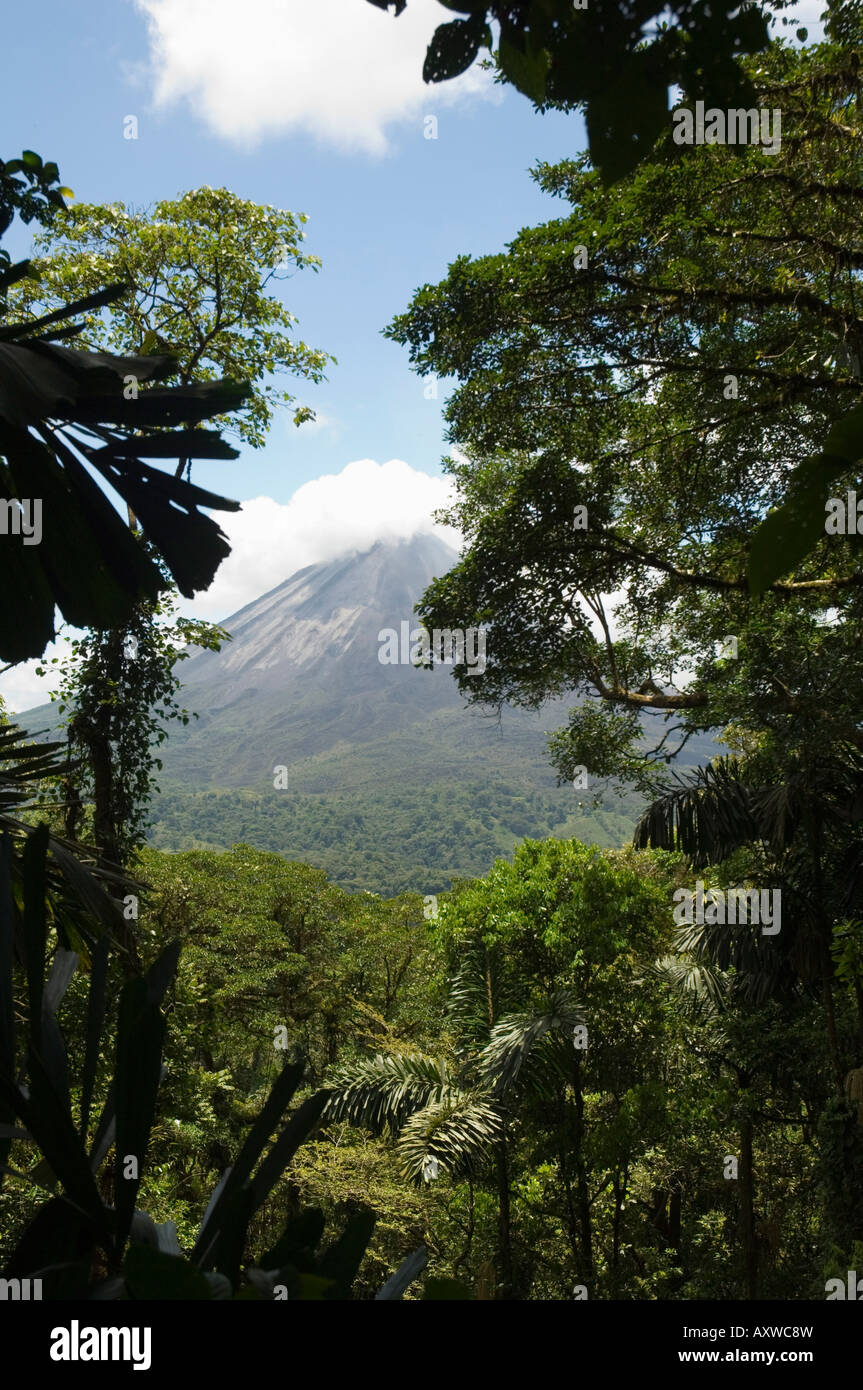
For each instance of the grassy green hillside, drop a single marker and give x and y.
(407, 812)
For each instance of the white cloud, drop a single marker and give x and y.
(330, 516)
(21, 688)
(342, 71)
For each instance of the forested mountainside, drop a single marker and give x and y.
(394, 783)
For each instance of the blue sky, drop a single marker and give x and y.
(382, 223)
(317, 106)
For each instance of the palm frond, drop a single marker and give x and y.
(453, 1133)
(716, 811)
(62, 408)
(515, 1038)
(76, 876)
(476, 994)
(702, 987)
(761, 966)
(380, 1092)
(707, 817)
(23, 764)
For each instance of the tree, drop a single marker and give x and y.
(665, 385)
(63, 411)
(279, 964)
(81, 1246)
(451, 1120)
(121, 687)
(42, 877)
(662, 357)
(30, 189)
(559, 56)
(615, 59)
(200, 273)
(76, 553)
(548, 1042)
(803, 833)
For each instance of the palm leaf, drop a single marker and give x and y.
(56, 406)
(761, 966)
(452, 1133)
(716, 811)
(382, 1091)
(702, 987)
(707, 817)
(515, 1038)
(477, 994)
(75, 880)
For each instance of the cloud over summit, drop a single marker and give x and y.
(327, 517)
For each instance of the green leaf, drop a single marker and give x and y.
(53, 1047)
(382, 1091)
(162, 972)
(93, 1033)
(624, 120)
(195, 444)
(454, 47)
(456, 1131)
(99, 300)
(56, 1247)
(88, 562)
(234, 1217)
(296, 1131)
(89, 891)
(35, 927)
(845, 439)
(21, 270)
(526, 68)
(152, 1274)
(140, 1036)
(401, 1279)
(788, 534)
(274, 1108)
(342, 1260)
(297, 1243)
(447, 1289)
(792, 530)
(53, 1130)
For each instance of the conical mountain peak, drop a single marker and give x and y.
(321, 623)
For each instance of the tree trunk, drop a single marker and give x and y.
(504, 1228)
(833, 1036)
(581, 1187)
(825, 934)
(746, 1189)
(858, 996)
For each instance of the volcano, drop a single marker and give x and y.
(308, 743)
